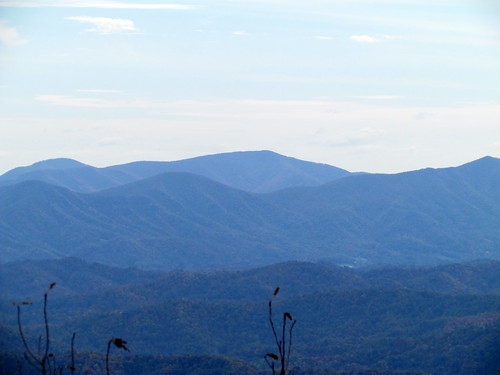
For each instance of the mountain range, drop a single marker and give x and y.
(180, 259)
(181, 220)
(439, 320)
(252, 171)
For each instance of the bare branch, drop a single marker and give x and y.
(29, 354)
(290, 343)
(284, 347)
(278, 343)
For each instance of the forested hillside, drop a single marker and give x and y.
(441, 320)
(184, 221)
(382, 272)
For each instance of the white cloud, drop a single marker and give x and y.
(364, 39)
(379, 97)
(104, 25)
(9, 35)
(67, 101)
(372, 39)
(322, 37)
(71, 101)
(94, 4)
(99, 91)
(239, 33)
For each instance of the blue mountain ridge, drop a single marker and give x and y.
(253, 171)
(185, 221)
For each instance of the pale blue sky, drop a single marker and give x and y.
(373, 85)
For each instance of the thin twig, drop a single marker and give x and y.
(282, 353)
(278, 344)
(290, 343)
(23, 338)
(34, 364)
(107, 357)
(73, 368)
(46, 319)
(270, 364)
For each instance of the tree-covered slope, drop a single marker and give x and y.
(184, 221)
(84, 287)
(450, 214)
(384, 319)
(355, 330)
(27, 279)
(168, 221)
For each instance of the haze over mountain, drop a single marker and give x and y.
(185, 221)
(253, 171)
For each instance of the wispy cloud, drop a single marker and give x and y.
(9, 35)
(99, 91)
(372, 39)
(94, 4)
(239, 33)
(322, 37)
(364, 39)
(86, 102)
(68, 101)
(104, 25)
(378, 97)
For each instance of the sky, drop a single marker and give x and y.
(366, 85)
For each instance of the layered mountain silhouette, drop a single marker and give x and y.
(185, 221)
(253, 171)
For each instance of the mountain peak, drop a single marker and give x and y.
(58, 163)
(485, 160)
(486, 164)
(254, 171)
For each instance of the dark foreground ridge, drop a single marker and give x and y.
(441, 320)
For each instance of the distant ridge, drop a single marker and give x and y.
(252, 171)
(175, 220)
(179, 220)
(44, 165)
